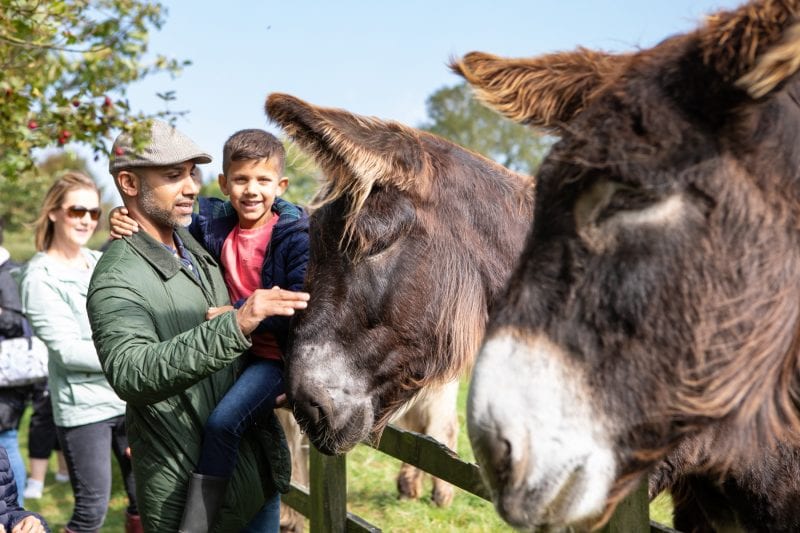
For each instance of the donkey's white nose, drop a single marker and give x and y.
(544, 450)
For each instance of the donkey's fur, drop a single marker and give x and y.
(760, 492)
(664, 259)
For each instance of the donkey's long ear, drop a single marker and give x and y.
(546, 91)
(366, 149)
(757, 46)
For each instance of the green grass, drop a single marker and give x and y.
(371, 495)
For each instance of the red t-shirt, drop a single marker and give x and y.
(243, 257)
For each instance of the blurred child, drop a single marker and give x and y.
(13, 518)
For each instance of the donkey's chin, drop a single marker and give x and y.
(572, 503)
(330, 440)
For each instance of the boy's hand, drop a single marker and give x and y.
(29, 524)
(121, 224)
(269, 302)
(216, 311)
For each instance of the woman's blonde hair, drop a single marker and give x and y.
(67, 183)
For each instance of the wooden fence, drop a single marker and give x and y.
(325, 504)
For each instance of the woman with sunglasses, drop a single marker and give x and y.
(89, 416)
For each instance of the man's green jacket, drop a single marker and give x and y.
(172, 366)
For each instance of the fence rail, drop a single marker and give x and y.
(325, 504)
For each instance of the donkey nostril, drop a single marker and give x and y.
(309, 405)
(501, 455)
(518, 469)
(318, 409)
(507, 461)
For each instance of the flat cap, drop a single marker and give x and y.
(165, 146)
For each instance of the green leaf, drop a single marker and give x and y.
(58, 50)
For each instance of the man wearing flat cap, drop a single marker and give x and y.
(147, 305)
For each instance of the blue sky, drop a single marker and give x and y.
(373, 58)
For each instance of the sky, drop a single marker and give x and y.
(379, 58)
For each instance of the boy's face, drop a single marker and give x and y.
(252, 186)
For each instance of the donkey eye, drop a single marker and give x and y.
(594, 201)
(626, 198)
(608, 209)
(606, 198)
(372, 240)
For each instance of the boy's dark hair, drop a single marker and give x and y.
(252, 145)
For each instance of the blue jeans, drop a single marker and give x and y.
(253, 393)
(268, 519)
(8, 440)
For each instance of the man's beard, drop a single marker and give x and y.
(158, 214)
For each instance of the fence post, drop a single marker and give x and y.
(632, 513)
(328, 492)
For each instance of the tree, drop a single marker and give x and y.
(456, 115)
(64, 68)
(304, 176)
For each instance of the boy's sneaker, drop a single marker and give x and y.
(62, 478)
(33, 489)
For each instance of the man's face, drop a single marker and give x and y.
(167, 193)
(252, 186)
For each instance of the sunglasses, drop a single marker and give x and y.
(78, 211)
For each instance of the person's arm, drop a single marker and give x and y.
(54, 322)
(296, 263)
(142, 369)
(201, 219)
(18, 519)
(23, 521)
(10, 307)
(120, 224)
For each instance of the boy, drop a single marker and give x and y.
(261, 241)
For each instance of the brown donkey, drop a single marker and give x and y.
(412, 239)
(655, 311)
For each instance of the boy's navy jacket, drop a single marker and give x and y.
(287, 254)
(10, 511)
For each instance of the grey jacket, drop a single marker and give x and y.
(54, 301)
